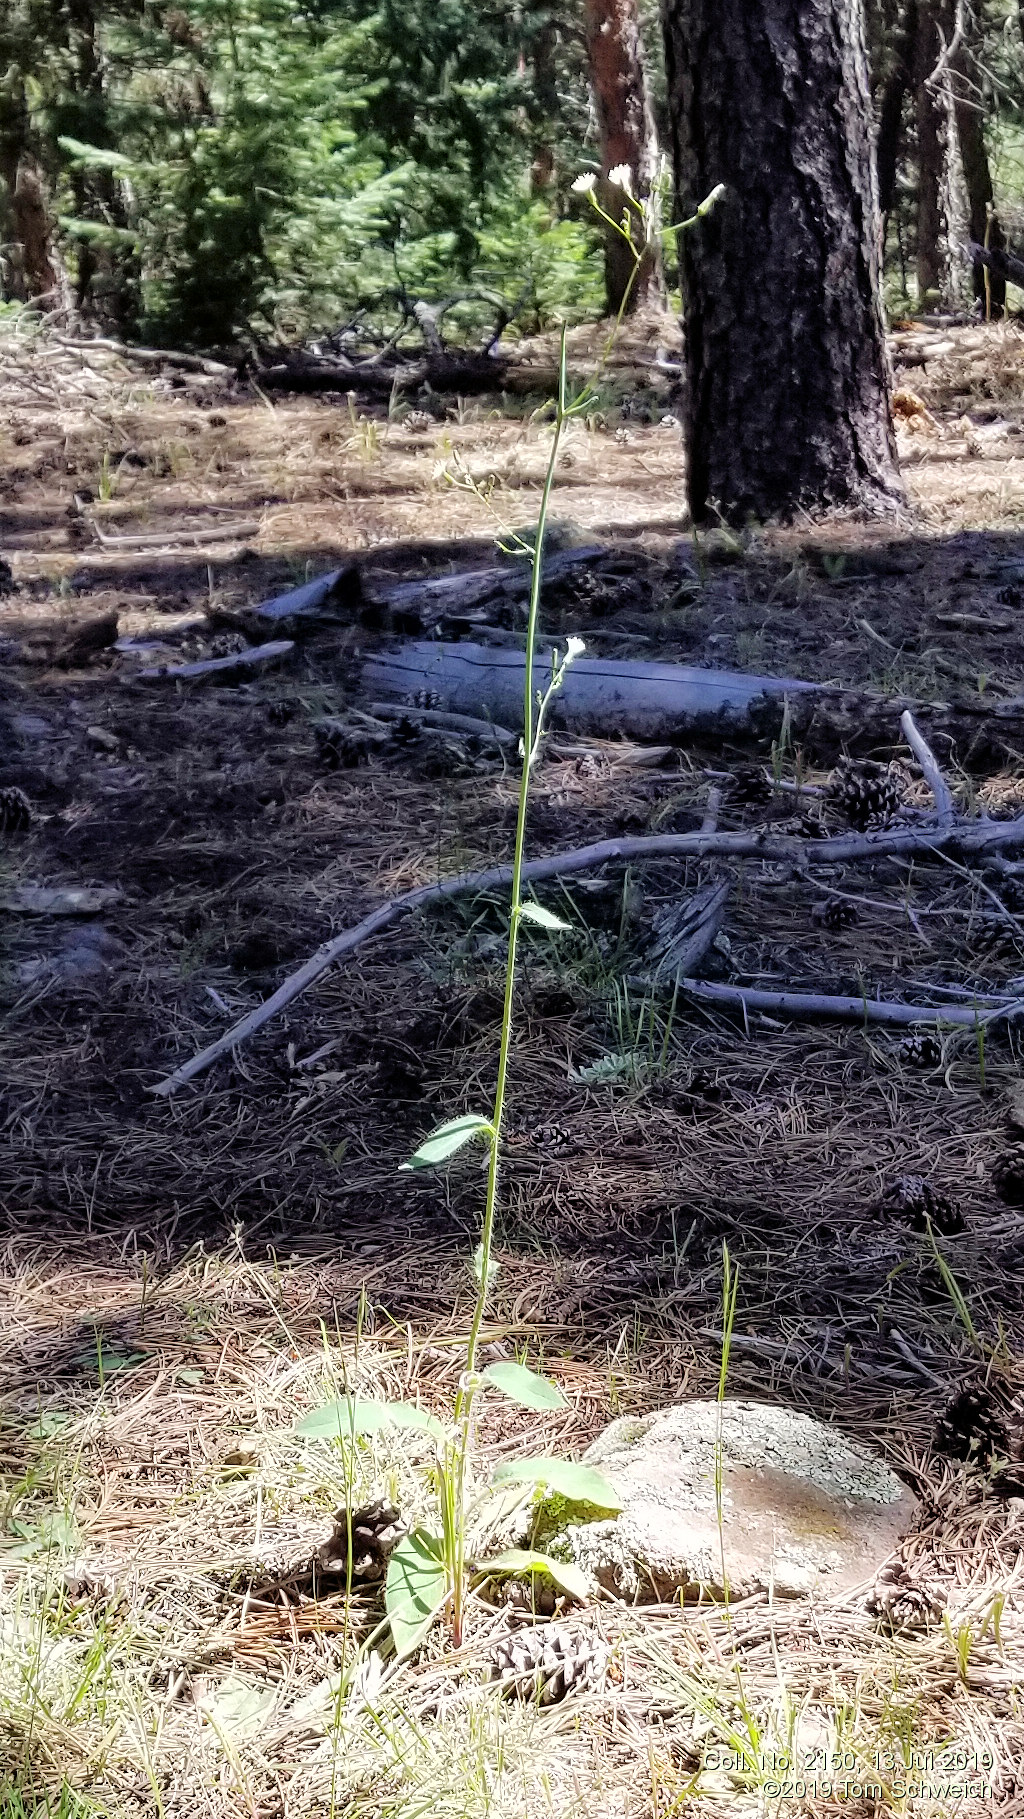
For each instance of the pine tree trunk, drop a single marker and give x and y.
(32, 268)
(618, 81)
(989, 287)
(107, 276)
(545, 99)
(787, 403)
(894, 92)
(943, 275)
(930, 263)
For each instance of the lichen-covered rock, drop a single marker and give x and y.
(803, 1509)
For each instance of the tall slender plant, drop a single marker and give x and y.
(429, 1572)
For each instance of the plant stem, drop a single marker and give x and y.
(455, 1488)
(529, 753)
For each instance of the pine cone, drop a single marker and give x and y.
(901, 1603)
(15, 811)
(553, 1139)
(532, 1595)
(867, 794)
(749, 785)
(991, 939)
(978, 1423)
(377, 1528)
(424, 697)
(704, 1085)
(546, 1664)
(340, 748)
(1008, 1175)
(914, 1201)
(919, 1051)
(835, 913)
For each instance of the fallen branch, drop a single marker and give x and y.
(930, 771)
(973, 837)
(997, 261)
(44, 900)
(177, 539)
(148, 356)
(709, 824)
(451, 723)
(218, 666)
(844, 1010)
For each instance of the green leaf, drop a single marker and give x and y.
(415, 1589)
(527, 1560)
(56, 1534)
(448, 1138)
(526, 1387)
(353, 1417)
(544, 918)
(239, 1707)
(95, 157)
(578, 1483)
(607, 1067)
(50, 1422)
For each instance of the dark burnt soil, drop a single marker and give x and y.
(642, 1134)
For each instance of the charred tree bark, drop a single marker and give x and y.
(787, 404)
(32, 270)
(990, 290)
(545, 98)
(108, 283)
(625, 120)
(892, 100)
(942, 205)
(931, 272)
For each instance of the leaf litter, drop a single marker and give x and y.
(184, 1283)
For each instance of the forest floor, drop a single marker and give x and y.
(183, 1278)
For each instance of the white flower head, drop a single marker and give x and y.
(574, 647)
(623, 176)
(583, 185)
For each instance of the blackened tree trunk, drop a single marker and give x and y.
(107, 270)
(787, 404)
(895, 88)
(989, 286)
(931, 264)
(943, 276)
(31, 270)
(543, 28)
(618, 81)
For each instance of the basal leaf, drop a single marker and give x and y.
(353, 1417)
(448, 1138)
(578, 1483)
(524, 1386)
(544, 918)
(528, 1560)
(239, 1707)
(606, 1068)
(415, 1589)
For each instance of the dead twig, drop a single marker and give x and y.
(974, 836)
(453, 723)
(180, 539)
(147, 356)
(930, 771)
(844, 1010)
(709, 824)
(218, 666)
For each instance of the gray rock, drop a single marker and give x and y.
(804, 1509)
(85, 953)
